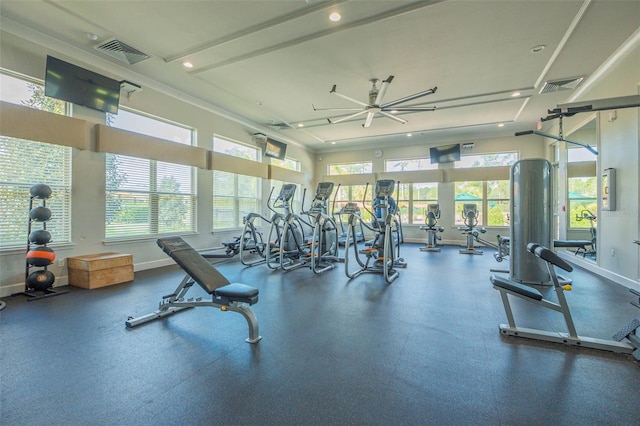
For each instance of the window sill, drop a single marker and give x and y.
(116, 241)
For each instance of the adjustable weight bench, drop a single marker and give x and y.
(626, 340)
(579, 245)
(224, 295)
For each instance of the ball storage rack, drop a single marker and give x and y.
(38, 214)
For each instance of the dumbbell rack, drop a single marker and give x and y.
(31, 293)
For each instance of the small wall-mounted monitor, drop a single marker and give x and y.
(275, 149)
(71, 83)
(444, 154)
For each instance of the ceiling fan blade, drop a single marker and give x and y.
(333, 90)
(410, 109)
(393, 117)
(369, 119)
(383, 89)
(340, 120)
(410, 98)
(335, 109)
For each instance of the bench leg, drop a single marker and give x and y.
(252, 321)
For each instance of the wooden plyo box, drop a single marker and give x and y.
(100, 270)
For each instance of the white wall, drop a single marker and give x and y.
(88, 175)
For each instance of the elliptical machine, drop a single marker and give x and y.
(251, 240)
(383, 255)
(471, 230)
(325, 240)
(431, 220)
(346, 210)
(277, 238)
(295, 249)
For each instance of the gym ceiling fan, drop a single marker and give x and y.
(375, 105)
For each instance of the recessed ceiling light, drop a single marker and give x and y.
(335, 17)
(300, 124)
(409, 135)
(501, 125)
(538, 48)
(187, 64)
(333, 143)
(515, 94)
(92, 36)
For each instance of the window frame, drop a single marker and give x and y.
(237, 212)
(459, 164)
(331, 168)
(154, 193)
(483, 204)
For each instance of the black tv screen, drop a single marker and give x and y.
(444, 154)
(275, 149)
(71, 83)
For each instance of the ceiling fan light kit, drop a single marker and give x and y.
(375, 105)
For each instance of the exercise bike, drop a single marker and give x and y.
(587, 215)
(382, 256)
(470, 230)
(431, 220)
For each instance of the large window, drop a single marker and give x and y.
(407, 165)
(413, 199)
(335, 169)
(581, 191)
(234, 195)
(582, 200)
(25, 163)
(287, 163)
(498, 202)
(355, 194)
(148, 197)
(487, 160)
(492, 197)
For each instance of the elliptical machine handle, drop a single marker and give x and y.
(333, 204)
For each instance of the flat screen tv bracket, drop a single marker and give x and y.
(129, 88)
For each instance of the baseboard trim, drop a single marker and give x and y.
(605, 273)
(8, 290)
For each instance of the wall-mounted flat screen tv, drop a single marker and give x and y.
(275, 149)
(71, 83)
(444, 154)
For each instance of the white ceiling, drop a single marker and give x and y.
(265, 63)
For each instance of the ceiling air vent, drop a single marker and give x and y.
(281, 125)
(121, 51)
(563, 84)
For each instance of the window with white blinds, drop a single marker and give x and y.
(234, 195)
(147, 197)
(25, 163)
